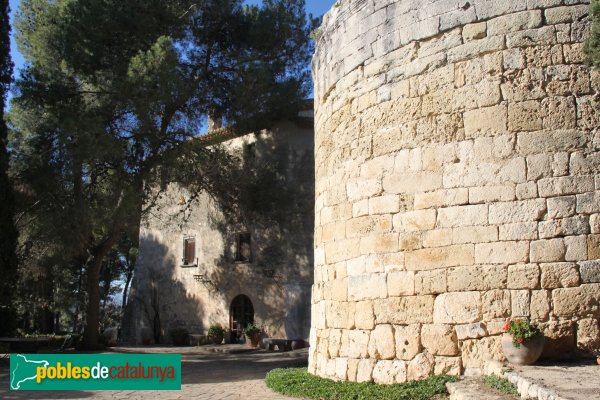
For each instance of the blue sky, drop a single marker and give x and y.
(316, 7)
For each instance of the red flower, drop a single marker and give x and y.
(507, 326)
(520, 340)
(518, 321)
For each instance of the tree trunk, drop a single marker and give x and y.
(90, 334)
(125, 289)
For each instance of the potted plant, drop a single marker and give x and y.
(216, 334)
(522, 341)
(595, 351)
(252, 332)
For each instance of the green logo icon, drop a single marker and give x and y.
(95, 372)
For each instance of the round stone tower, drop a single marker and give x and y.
(457, 184)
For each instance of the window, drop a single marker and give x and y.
(243, 249)
(189, 251)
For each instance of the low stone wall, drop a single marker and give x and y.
(457, 184)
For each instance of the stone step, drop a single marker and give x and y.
(474, 389)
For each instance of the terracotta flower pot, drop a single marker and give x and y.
(528, 353)
(253, 340)
(598, 360)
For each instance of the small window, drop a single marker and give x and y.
(189, 251)
(243, 248)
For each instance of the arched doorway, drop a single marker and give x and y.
(241, 313)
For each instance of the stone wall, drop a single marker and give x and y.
(457, 184)
(166, 294)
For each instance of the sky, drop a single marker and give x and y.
(316, 7)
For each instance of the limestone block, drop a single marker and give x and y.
(404, 310)
(514, 22)
(501, 252)
(334, 342)
(420, 367)
(339, 314)
(523, 276)
(341, 368)
(590, 271)
(355, 343)
(487, 121)
(576, 301)
(559, 338)
(401, 283)
(408, 341)
(595, 223)
(554, 141)
(339, 290)
(447, 366)
(474, 48)
(431, 282)
(584, 164)
(518, 231)
(364, 372)
(576, 248)
(593, 247)
(551, 187)
(524, 116)
(363, 287)
(561, 207)
(367, 225)
(588, 333)
(342, 250)
(471, 331)
(478, 277)
(495, 304)
(520, 303)
(463, 216)
(441, 198)
(441, 257)
(539, 308)
(410, 241)
(377, 244)
(364, 317)
(381, 344)
(384, 205)
(558, 15)
(388, 372)
(556, 275)
(539, 166)
(577, 225)
(588, 203)
(531, 37)
(360, 208)
(526, 191)
(559, 113)
(415, 221)
(457, 308)
(412, 182)
(474, 234)
(352, 369)
(547, 250)
(517, 211)
(489, 194)
(476, 352)
(437, 238)
(357, 189)
(474, 31)
(439, 339)
(513, 59)
(356, 266)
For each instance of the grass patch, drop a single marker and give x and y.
(500, 384)
(299, 383)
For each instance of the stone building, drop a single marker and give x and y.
(457, 184)
(201, 265)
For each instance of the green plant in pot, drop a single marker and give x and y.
(252, 332)
(522, 341)
(216, 334)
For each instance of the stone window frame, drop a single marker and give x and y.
(238, 257)
(185, 258)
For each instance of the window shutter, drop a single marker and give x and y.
(190, 251)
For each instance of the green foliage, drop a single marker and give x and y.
(215, 330)
(299, 383)
(251, 330)
(521, 330)
(500, 384)
(592, 46)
